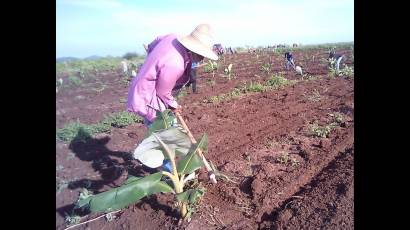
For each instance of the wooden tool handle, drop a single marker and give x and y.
(207, 166)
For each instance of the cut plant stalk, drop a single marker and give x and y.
(207, 166)
(176, 180)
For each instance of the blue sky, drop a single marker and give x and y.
(114, 27)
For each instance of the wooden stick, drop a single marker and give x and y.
(207, 166)
(88, 221)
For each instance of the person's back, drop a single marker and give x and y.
(288, 56)
(164, 53)
(289, 60)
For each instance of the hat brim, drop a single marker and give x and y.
(193, 45)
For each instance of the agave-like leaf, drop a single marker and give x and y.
(192, 161)
(128, 193)
(164, 120)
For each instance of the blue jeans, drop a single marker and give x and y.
(167, 165)
(289, 63)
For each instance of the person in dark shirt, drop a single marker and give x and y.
(289, 60)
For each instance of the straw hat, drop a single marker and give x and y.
(200, 41)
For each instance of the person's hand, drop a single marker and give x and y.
(178, 109)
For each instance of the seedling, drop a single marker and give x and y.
(228, 71)
(321, 131)
(266, 67)
(315, 97)
(337, 117)
(346, 71)
(286, 159)
(210, 67)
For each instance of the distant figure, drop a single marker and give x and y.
(289, 60)
(124, 66)
(295, 45)
(337, 57)
(230, 50)
(218, 49)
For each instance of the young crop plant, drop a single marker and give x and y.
(320, 131)
(211, 66)
(228, 71)
(165, 140)
(266, 67)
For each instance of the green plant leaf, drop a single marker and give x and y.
(150, 152)
(128, 193)
(164, 120)
(192, 161)
(191, 195)
(131, 179)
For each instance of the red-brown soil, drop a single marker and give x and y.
(246, 137)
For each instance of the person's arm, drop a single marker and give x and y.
(168, 75)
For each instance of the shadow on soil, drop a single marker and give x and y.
(112, 167)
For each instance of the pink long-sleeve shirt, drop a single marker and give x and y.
(165, 69)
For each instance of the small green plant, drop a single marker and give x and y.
(75, 81)
(122, 119)
(286, 159)
(346, 71)
(75, 130)
(165, 140)
(228, 71)
(78, 131)
(102, 126)
(276, 81)
(211, 66)
(320, 131)
(72, 219)
(309, 77)
(266, 67)
(315, 97)
(337, 117)
(214, 99)
(255, 87)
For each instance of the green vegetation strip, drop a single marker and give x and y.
(78, 131)
(274, 82)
